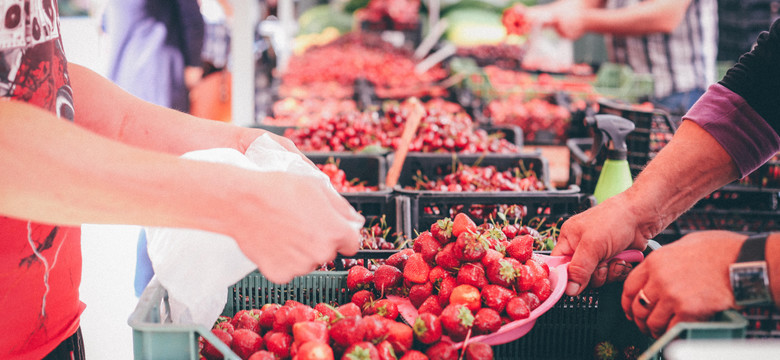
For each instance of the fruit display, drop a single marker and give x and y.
(534, 116)
(293, 330)
(391, 14)
(292, 111)
(503, 55)
(440, 130)
(339, 179)
(480, 178)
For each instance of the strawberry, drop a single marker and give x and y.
(399, 259)
(478, 351)
(363, 350)
(431, 305)
(442, 230)
(385, 308)
(209, 351)
(310, 331)
(456, 320)
(375, 328)
(278, 343)
(301, 313)
(267, 317)
(416, 269)
(349, 309)
(387, 277)
(447, 258)
(436, 274)
(221, 319)
(521, 248)
(445, 290)
(314, 350)
(539, 269)
(327, 312)
(414, 355)
(427, 328)
(470, 247)
(503, 272)
(491, 255)
(419, 292)
(510, 231)
(517, 309)
(530, 298)
(263, 355)
(359, 278)
(486, 321)
(525, 280)
(362, 297)
(472, 274)
(442, 350)
(542, 289)
(400, 336)
(247, 320)
(496, 296)
(347, 331)
(467, 295)
(462, 223)
(226, 327)
(246, 342)
(385, 350)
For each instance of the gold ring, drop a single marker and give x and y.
(643, 300)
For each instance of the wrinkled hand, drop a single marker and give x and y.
(594, 236)
(684, 281)
(299, 223)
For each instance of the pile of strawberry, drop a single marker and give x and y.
(324, 332)
(465, 279)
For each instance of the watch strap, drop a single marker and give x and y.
(753, 248)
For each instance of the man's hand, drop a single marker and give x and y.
(596, 235)
(687, 280)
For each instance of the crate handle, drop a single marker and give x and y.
(733, 321)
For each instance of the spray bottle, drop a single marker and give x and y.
(610, 134)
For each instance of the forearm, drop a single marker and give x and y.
(691, 166)
(56, 172)
(643, 18)
(135, 122)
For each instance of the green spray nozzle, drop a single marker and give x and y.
(611, 134)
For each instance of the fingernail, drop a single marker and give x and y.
(601, 272)
(572, 288)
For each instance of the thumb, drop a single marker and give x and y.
(583, 264)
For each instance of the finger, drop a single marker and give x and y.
(562, 246)
(640, 312)
(618, 270)
(659, 318)
(581, 268)
(634, 282)
(600, 275)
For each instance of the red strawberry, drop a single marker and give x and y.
(313, 350)
(267, 317)
(525, 280)
(247, 320)
(467, 295)
(328, 313)
(387, 277)
(542, 289)
(478, 351)
(226, 327)
(414, 355)
(246, 342)
(263, 355)
(349, 309)
(521, 248)
(539, 260)
(447, 258)
(222, 318)
(456, 320)
(428, 246)
(510, 231)
(400, 336)
(363, 350)
(278, 343)
(442, 350)
(292, 303)
(503, 272)
(427, 328)
(310, 331)
(209, 351)
(347, 331)
(362, 297)
(431, 305)
(386, 352)
(472, 274)
(470, 247)
(491, 255)
(280, 319)
(399, 259)
(486, 321)
(416, 269)
(375, 328)
(301, 313)
(442, 230)
(359, 278)
(496, 296)
(445, 290)
(530, 298)
(419, 292)
(517, 309)
(384, 308)
(462, 223)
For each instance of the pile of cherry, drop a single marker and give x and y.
(464, 280)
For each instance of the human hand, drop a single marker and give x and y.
(299, 223)
(596, 235)
(684, 281)
(192, 76)
(569, 24)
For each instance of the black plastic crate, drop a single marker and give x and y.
(512, 133)
(371, 169)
